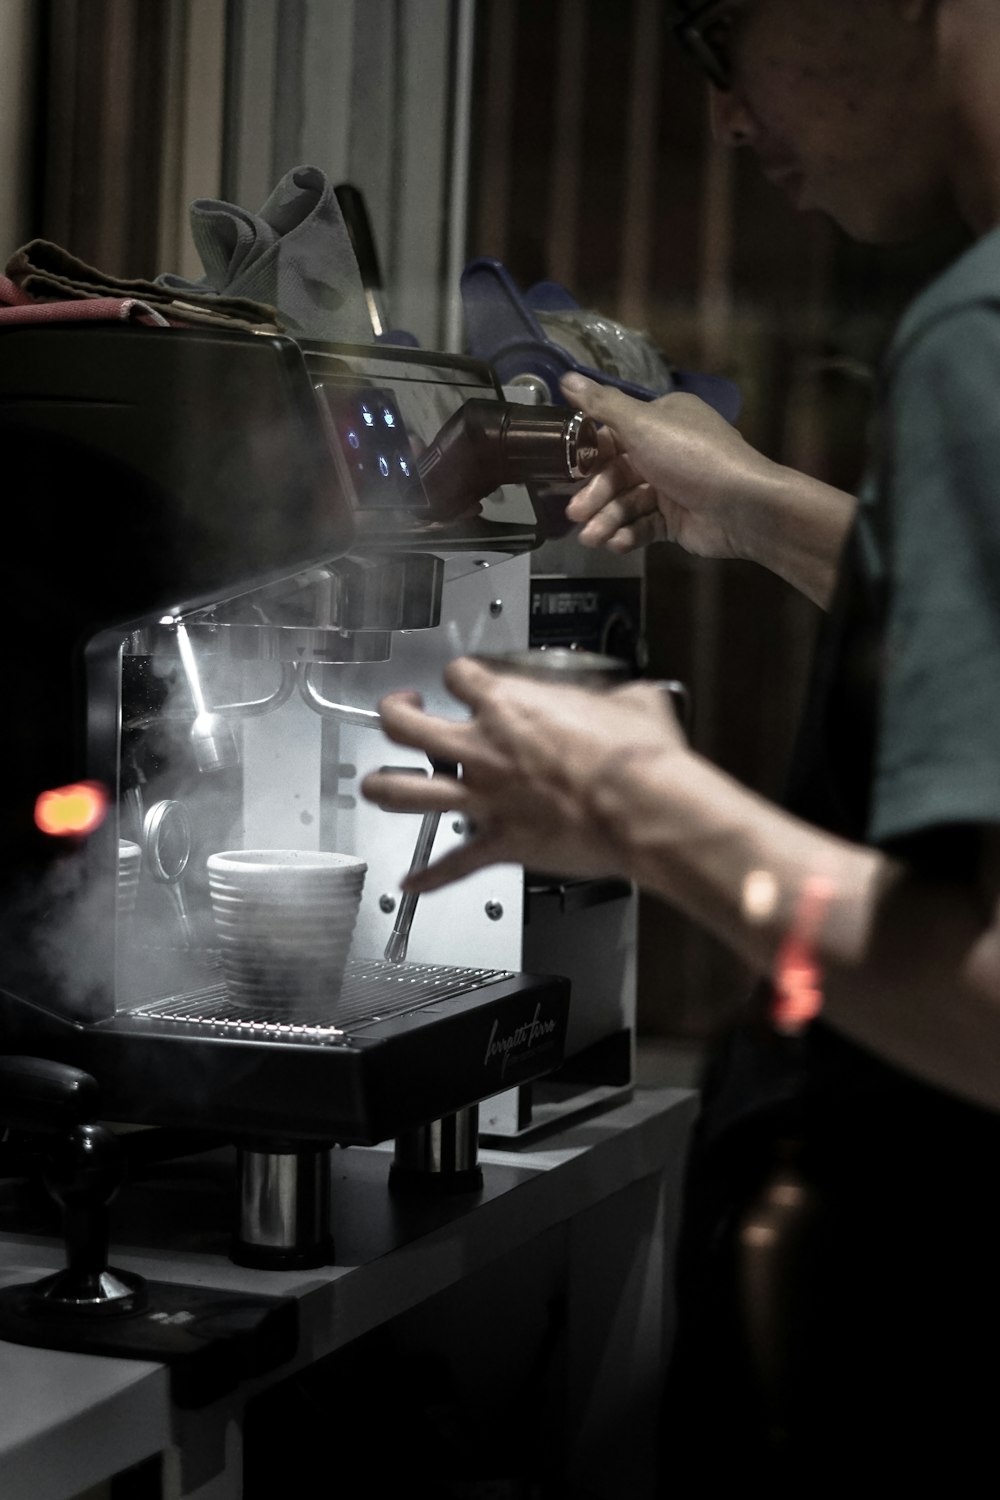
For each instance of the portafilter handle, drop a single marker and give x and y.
(489, 443)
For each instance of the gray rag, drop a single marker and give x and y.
(295, 254)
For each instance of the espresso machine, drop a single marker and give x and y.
(231, 545)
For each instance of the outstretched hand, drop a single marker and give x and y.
(673, 470)
(531, 757)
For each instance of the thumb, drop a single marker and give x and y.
(605, 403)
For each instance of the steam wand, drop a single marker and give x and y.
(211, 734)
(166, 847)
(347, 713)
(395, 948)
(341, 713)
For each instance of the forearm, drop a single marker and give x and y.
(796, 527)
(909, 968)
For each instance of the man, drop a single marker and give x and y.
(864, 1353)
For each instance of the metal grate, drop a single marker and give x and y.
(373, 989)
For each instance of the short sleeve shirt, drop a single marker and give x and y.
(937, 542)
(901, 736)
(900, 741)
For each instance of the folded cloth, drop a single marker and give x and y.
(11, 295)
(46, 273)
(295, 254)
(17, 307)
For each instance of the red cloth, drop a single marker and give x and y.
(17, 307)
(11, 294)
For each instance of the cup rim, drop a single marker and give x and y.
(319, 859)
(335, 882)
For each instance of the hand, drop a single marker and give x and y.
(531, 756)
(673, 470)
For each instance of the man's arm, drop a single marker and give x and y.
(674, 470)
(584, 783)
(796, 527)
(910, 965)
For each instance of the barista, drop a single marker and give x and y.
(881, 114)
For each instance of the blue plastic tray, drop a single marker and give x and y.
(503, 329)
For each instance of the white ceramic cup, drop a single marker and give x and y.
(129, 866)
(284, 923)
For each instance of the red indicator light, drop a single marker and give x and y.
(72, 810)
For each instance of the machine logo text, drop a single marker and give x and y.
(511, 1044)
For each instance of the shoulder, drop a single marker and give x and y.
(962, 302)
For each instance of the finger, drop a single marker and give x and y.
(469, 681)
(640, 533)
(403, 793)
(405, 723)
(589, 501)
(455, 865)
(607, 446)
(627, 507)
(605, 403)
(409, 695)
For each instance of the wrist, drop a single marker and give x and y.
(630, 799)
(795, 526)
(761, 513)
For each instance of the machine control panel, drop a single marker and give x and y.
(389, 410)
(377, 447)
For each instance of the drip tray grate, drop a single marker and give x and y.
(373, 989)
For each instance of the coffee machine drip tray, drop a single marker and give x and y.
(410, 1043)
(373, 990)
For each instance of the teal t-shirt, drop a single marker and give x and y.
(900, 740)
(901, 735)
(931, 548)
(900, 746)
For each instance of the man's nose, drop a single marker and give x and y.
(731, 120)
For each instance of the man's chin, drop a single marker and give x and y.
(889, 227)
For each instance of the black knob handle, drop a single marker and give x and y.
(39, 1094)
(83, 1166)
(488, 443)
(547, 443)
(83, 1173)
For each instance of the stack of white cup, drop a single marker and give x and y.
(129, 865)
(284, 919)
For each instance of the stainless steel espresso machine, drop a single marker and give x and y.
(230, 546)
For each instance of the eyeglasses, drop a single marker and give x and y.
(705, 34)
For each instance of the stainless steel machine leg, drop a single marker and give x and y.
(441, 1156)
(284, 1208)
